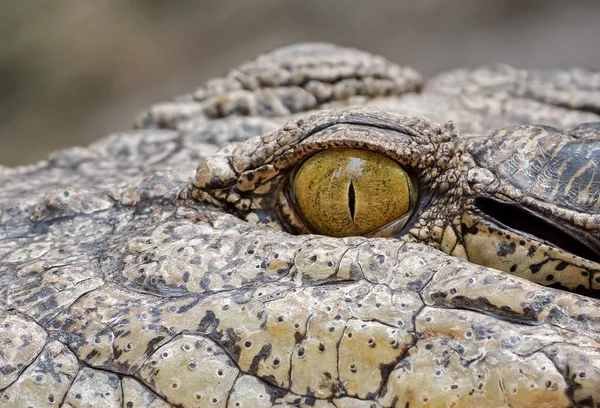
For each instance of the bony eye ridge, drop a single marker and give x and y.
(351, 192)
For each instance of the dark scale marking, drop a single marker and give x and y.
(483, 304)
(150, 348)
(469, 230)
(91, 354)
(535, 268)
(561, 266)
(586, 402)
(506, 248)
(114, 381)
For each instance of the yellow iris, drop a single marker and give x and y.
(351, 192)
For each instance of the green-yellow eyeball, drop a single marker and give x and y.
(351, 192)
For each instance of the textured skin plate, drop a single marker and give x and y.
(549, 165)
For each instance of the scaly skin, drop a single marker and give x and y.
(117, 289)
(474, 198)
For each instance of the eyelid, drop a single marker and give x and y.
(287, 214)
(392, 228)
(398, 144)
(390, 143)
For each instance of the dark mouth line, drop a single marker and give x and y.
(518, 218)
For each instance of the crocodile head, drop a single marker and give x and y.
(523, 200)
(115, 291)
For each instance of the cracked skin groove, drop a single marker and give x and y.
(117, 290)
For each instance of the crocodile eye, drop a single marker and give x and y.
(351, 192)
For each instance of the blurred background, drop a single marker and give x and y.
(72, 71)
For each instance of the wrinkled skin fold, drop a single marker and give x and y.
(118, 289)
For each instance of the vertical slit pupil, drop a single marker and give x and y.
(351, 200)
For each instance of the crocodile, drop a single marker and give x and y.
(187, 262)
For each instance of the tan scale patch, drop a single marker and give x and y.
(320, 258)
(216, 313)
(20, 341)
(29, 252)
(375, 258)
(440, 372)
(249, 392)
(248, 181)
(370, 301)
(94, 388)
(188, 264)
(414, 267)
(136, 395)
(191, 371)
(460, 284)
(90, 317)
(315, 358)
(45, 382)
(267, 352)
(62, 284)
(583, 366)
(366, 348)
